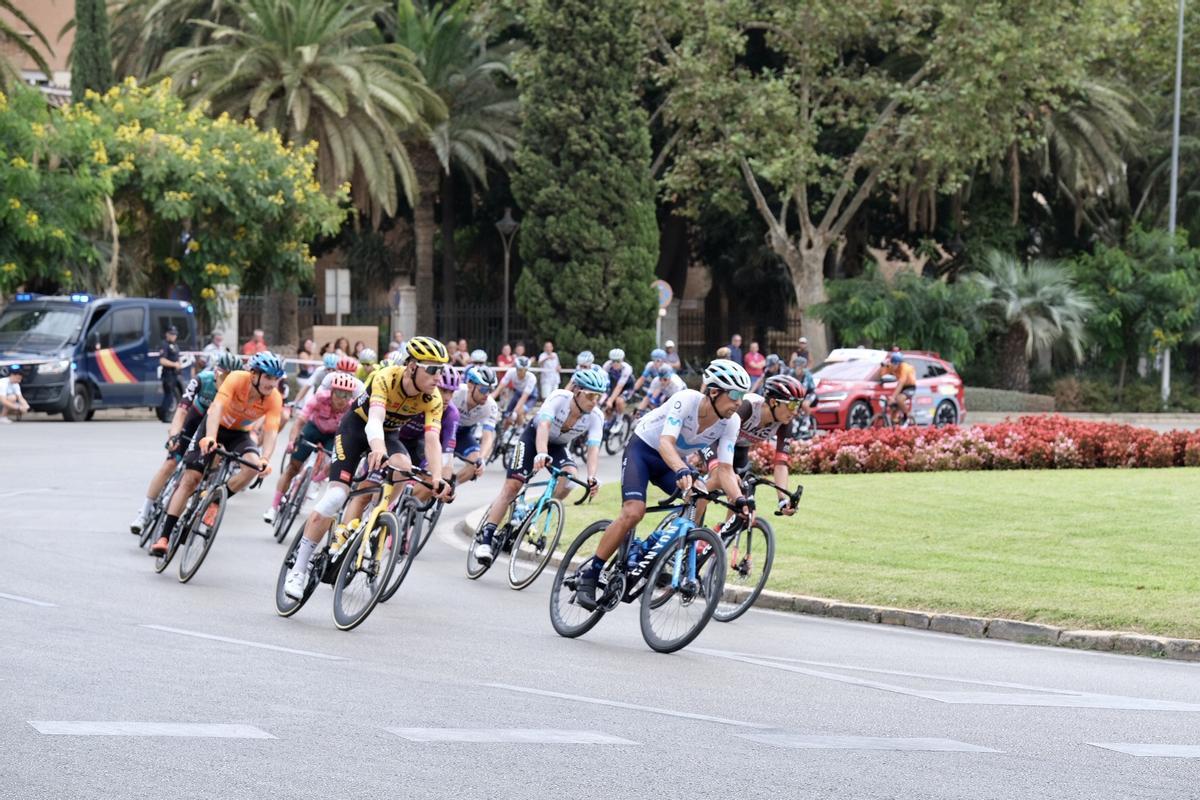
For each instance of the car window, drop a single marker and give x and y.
(100, 334)
(128, 326)
(163, 318)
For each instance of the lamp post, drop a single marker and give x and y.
(508, 229)
(1166, 363)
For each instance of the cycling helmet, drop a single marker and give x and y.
(895, 358)
(478, 357)
(229, 362)
(481, 376)
(591, 380)
(450, 380)
(773, 359)
(616, 354)
(368, 356)
(16, 369)
(330, 361)
(347, 364)
(726, 375)
(423, 348)
(585, 359)
(522, 362)
(784, 387)
(267, 363)
(343, 382)
(658, 354)
(665, 371)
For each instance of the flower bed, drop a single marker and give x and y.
(1043, 442)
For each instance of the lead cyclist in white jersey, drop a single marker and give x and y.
(688, 422)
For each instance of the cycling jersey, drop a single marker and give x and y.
(663, 388)
(415, 428)
(384, 390)
(520, 386)
(319, 412)
(618, 374)
(906, 376)
(242, 405)
(651, 369)
(754, 431)
(364, 372)
(558, 407)
(200, 391)
(680, 417)
(486, 413)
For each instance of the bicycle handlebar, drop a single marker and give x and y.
(793, 497)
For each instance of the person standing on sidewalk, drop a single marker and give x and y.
(550, 366)
(168, 359)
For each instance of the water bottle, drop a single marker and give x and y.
(520, 509)
(637, 549)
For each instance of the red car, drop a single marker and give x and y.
(849, 389)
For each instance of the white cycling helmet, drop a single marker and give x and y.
(726, 375)
(585, 359)
(616, 354)
(478, 357)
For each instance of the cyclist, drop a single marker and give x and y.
(906, 385)
(244, 398)
(368, 362)
(478, 358)
(691, 420)
(619, 373)
(665, 385)
(189, 413)
(585, 360)
(316, 423)
(521, 384)
(371, 427)
(411, 435)
(477, 418)
(658, 357)
(332, 364)
(566, 414)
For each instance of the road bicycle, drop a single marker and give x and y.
(297, 492)
(153, 523)
(883, 417)
(617, 432)
(528, 532)
(506, 441)
(678, 573)
(359, 566)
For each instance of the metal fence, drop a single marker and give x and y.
(481, 324)
(699, 337)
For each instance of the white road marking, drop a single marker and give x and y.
(805, 742)
(1151, 750)
(206, 730)
(631, 706)
(1046, 698)
(506, 735)
(17, 492)
(16, 598)
(243, 642)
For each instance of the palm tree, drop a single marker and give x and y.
(482, 125)
(1036, 306)
(144, 31)
(8, 71)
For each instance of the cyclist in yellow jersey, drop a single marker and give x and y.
(393, 396)
(368, 363)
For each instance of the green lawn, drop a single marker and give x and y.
(1099, 549)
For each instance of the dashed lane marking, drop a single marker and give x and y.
(1151, 750)
(243, 642)
(798, 741)
(204, 730)
(16, 598)
(506, 736)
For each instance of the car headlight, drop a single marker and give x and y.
(53, 367)
(831, 398)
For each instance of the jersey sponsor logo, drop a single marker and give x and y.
(674, 421)
(678, 405)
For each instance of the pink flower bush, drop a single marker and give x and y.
(1035, 442)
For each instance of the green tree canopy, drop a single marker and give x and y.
(91, 54)
(589, 237)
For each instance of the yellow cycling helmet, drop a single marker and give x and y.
(427, 350)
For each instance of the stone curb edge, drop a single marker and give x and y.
(1009, 630)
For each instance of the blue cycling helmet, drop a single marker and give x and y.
(481, 376)
(267, 363)
(658, 354)
(591, 380)
(330, 361)
(895, 358)
(665, 371)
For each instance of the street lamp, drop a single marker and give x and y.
(508, 229)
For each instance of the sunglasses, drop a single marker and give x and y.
(794, 405)
(593, 395)
(734, 394)
(483, 390)
(432, 369)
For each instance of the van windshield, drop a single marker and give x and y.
(39, 328)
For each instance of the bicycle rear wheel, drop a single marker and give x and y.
(430, 520)
(289, 509)
(568, 617)
(163, 561)
(201, 533)
(364, 573)
(284, 605)
(672, 619)
(475, 570)
(534, 544)
(410, 533)
(749, 555)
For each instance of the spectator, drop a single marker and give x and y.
(463, 355)
(505, 359)
(548, 361)
(168, 361)
(342, 346)
(306, 353)
(359, 346)
(213, 350)
(801, 351)
(452, 352)
(735, 348)
(326, 348)
(755, 362)
(722, 352)
(257, 343)
(12, 402)
(672, 358)
(519, 350)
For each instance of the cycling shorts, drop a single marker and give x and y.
(641, 466)
(191, 423)
(310, 433)
(521, 460)
(512, 403)
(350, 445)
(235, 441)
(909, 392)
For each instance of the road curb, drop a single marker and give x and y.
(999, 628)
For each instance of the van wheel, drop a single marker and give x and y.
(79, 405)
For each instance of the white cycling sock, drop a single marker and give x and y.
(304, 554)
(147, 504)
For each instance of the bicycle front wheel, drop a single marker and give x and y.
(475, 570)
(534, 545)
(364, 573)
(566, 615)
(691, 574)
(202, 532)
(749, 554)
(284, 605)
(289, 509)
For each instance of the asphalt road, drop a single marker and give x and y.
(120, 683)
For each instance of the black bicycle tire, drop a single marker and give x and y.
(162, 562)
(475, 570)
(385, 520)
(560, 626)
(717, 548)
(284, 568)
(549, 554)
(400, 572)
(221, 496)
(291, 506)
(427, 526)
(748, 603)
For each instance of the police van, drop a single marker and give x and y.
(88, 353)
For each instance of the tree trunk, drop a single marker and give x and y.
(1121, 379)
(1014, 362)
(270, 318)
(807, 267)
(428, 169)
(449, 271)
